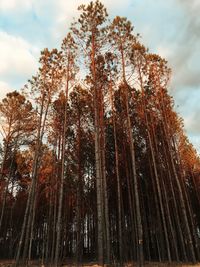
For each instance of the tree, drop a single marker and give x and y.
(121, 37)
(95, 164)
(90, 30)
(44, 86)
(69, 68)
(17, 119)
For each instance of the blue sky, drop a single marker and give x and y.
(170, 28)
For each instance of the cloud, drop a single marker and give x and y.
(185, 63)
(171, 29)
(8, 5)
(4, 89)
(192, 123)
(191, 115)
(195, 140)
(182, 47)
(18, 58)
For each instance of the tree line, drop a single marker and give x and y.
(95, 164)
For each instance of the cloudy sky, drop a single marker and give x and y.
(170, 28)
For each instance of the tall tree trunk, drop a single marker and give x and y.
(135, 178)
(28, 211)
(182, 203)
(60, 202)
(97, 159)
(79, 198)
(118, 177)
(104, 180)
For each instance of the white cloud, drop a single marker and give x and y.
(18, 57)
(6, 5)
(4, 89)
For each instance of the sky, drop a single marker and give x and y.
(170, 28)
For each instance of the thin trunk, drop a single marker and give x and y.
(155, 167)
(32, 227)
(176, 213)
(79, 193)
(5, 196)
(60, 202)
(160, 237)
(160, 198)
(140, 256)
(118, 177)
(104, 181)
(31, 216)
(97, 159)
(31, 189)
(182, 203)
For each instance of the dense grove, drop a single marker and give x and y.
(95, 164)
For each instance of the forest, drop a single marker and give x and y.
(94, 161)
